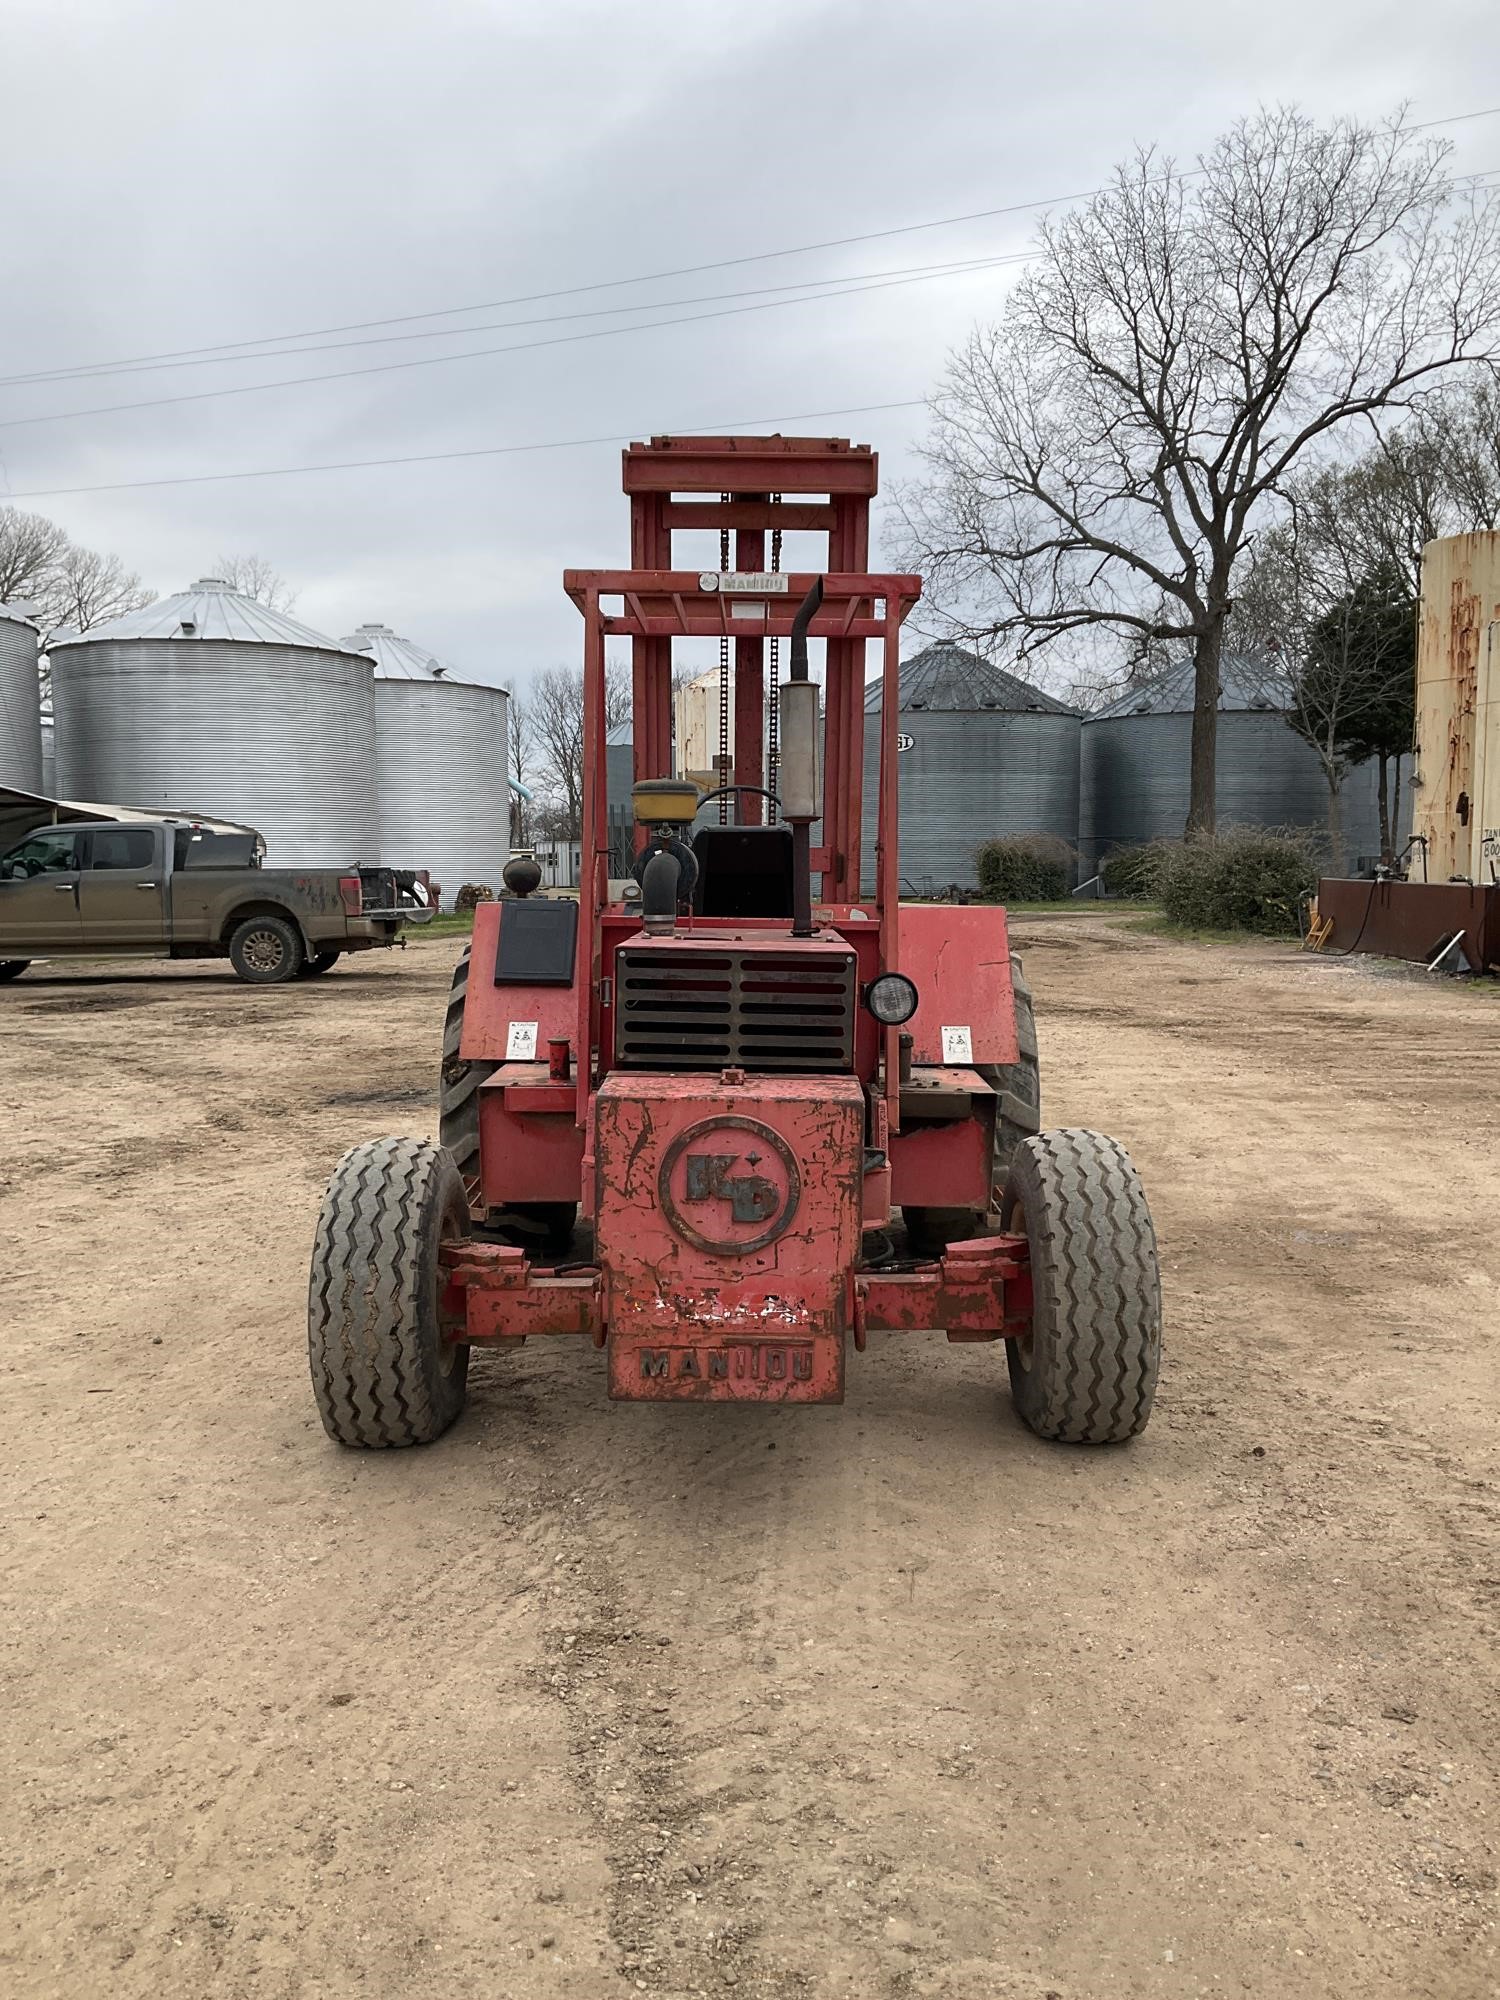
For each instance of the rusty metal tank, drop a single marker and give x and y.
(1457, 783)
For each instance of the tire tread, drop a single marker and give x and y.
(371, 1330)
(1096, 1343)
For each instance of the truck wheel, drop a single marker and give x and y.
(542, 1226)
(388, 1365)
(1086, 1371)
(318, 964)
(266, 951)
(12, 968)
(1018, 1114)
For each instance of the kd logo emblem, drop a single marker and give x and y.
(751, 1197)
(738, 1178)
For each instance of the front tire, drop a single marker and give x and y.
(266, 950)
(387, 1367)
(12, 968)
(1086, 1372)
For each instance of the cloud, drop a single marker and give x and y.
(196, 174)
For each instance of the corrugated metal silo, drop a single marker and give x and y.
(211, 702)
(442, 757)
(49, 756)
(981, 753)
(619, 777)
(1135, 764)
(20, 704)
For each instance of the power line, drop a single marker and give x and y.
(473, 354)
(727, 426)
(678, 271)
(270, 340)
(950, 268)
(831, 289)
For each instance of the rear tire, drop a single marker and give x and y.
(386, 1370)
(266, 950)
(12, 968)
(318, 964)
(1086, 1372)
(543, 1227)
(1018, 1114)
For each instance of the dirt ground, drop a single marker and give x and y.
(890, 1700)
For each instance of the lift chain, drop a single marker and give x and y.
(722, 774)
(773, 698)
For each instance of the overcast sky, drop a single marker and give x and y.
(189, 173)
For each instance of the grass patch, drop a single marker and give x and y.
(1050, 905)
(450, 923)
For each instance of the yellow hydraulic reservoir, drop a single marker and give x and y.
(665, 801)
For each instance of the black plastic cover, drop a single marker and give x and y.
(537, 942)
(743, 871)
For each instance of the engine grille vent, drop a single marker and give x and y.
(761, 1010)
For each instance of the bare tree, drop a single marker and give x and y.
(555, 713)
(522, 739)
(1330, 592)
(253, 576)
(87, 589)
(69, 588)
(1102, 456)
(30, 548)
(1473, 456)
(1342, 639)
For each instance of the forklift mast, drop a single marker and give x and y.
(748, 491)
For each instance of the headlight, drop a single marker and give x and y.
(892, 998)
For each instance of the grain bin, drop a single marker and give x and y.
(442, 756)
(211, 702)
(20, 701)
(619, 777)
(1136, 755)
(980, 753)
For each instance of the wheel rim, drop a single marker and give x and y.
(264, 951)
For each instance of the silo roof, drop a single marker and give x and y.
(398, 659)
(19, 614)
(950, 680)
(208, 609)
(1246, 681)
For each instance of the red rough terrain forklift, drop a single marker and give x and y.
(787, 1120)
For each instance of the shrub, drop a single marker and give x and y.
(1131, 872)
(1245, 879)
(473, 893)
(1024, 868)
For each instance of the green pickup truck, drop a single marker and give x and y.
(180, 889)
